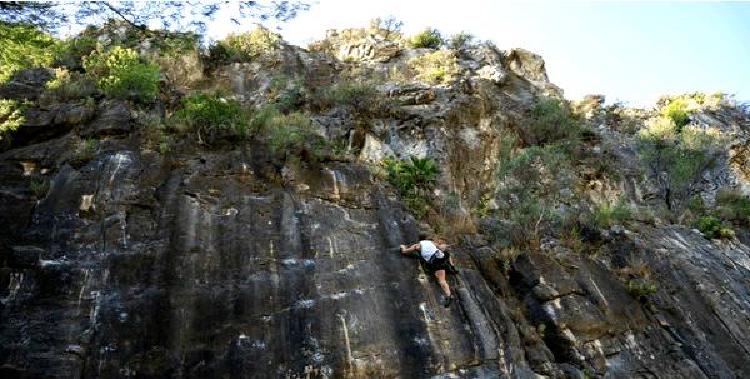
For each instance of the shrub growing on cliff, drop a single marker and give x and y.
(11, 116)
(551, 121)
(639, 287)
(533, 182)
(460, 41)
(608, 214)
(22, 47)
(210, 114)
(293, 135)
(677, 111)
(414, 179)
(246, 46)
(439, 67)
(677, 155)
(732, 205)
(120, 74)
(712, 227)
(363, 100)
(285, 94)
(70, 52)
(68, 86)
(39, 188)
(428, 39)
(388, 27)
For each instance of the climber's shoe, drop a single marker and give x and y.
(452, 269)
(402, 247)
(447, 300)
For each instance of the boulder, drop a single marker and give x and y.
(113, 118)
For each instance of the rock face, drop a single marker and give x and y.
(215, 263)
(205, 270)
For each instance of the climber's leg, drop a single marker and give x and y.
(440, 274)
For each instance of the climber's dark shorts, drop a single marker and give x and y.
(439, 264)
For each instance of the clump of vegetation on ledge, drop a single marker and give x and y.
(209, 115)
(679, 154)
(414, 179)
(23, 46)
(246, 46)
(428, 39)
(11, 116)
(438, 67)
(120, 73)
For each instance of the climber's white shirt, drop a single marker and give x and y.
(427, 249)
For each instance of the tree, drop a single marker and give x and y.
(170, 15)
(23, 46)
(390, 25)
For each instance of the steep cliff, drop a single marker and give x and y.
(221, 259)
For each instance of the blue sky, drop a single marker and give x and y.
(629, 51)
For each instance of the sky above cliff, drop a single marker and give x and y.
(628, 51)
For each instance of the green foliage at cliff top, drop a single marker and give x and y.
(677, 111)
(246, 46)
(120, 73)
(428, 38)
(23, 46)
(683, 153)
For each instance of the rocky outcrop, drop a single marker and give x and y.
(360, 45)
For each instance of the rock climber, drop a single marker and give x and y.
(437, 259)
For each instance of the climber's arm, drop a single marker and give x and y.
(408, 249)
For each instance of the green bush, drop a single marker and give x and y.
(414, 179)
(460, 41)
(209, 115)
(68, 86)
(677, 111)
(551, 121)
(119, 73)
(608, 214)
(533, 183)
(712, 228)
(428, 38)
(11, 117)
(389, 27)
(734, 206)
(683, 154)
(39, 187)
(70, 52)
(22, 47)
(173, 44)
(527, 219)
(641, 287)
(288, 135)
(414, 173)
(285, 94)
(438, 67)
(355, 95)
(246, 46)
(362, 99)
(86, 150)
(264, 118)
(293, 135)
